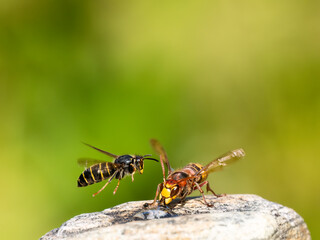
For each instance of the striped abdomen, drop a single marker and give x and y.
(188, 171)
(96, 173)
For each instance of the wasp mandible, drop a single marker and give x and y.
(122, 166)
(181, 183)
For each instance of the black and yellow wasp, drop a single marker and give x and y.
(98, 171)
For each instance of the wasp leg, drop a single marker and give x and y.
(154, 203)
(201, 191)
(115, 190)
(106, 184)
(217, 195)
(132, 177)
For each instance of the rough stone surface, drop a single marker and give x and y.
(232, 217)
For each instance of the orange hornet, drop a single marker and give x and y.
(181, 183)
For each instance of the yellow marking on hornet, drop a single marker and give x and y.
(101, 171)
(204, 174)
(167, 201)
(92, 174)
(169, 185)
(85, 178)
(165, 192)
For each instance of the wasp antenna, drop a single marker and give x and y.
(151, 159)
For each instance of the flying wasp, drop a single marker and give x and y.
(122, 166)
(181, 183)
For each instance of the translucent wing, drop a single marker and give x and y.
(87, 162)
(102, 151)
(222, 161)
(160, 150)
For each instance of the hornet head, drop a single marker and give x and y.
(170, 190)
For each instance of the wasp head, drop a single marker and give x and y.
(138, 162)
(170, 191)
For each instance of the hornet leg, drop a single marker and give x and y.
(217, 195)
(204, 199)
(201, 185)
(183, 198)
(163, 170)
(154, 203)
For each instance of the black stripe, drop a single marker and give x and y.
(195, 169)
(108, 169)
(96, 173)
(81, 181)
(194, 166)
(198, 169)
(87, 174)
(103, 169)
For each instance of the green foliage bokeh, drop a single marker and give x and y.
(202, 77)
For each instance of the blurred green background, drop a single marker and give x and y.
(202, 77)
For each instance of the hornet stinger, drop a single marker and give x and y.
(98, 171)
(182, 182)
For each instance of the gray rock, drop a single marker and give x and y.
(231, 217)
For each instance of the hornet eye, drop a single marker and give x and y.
(174, 191)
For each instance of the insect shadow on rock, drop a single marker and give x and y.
(155, 214)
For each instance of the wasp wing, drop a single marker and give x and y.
(87, 162)
(102, 151)
(223, 160)
(160, 150)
